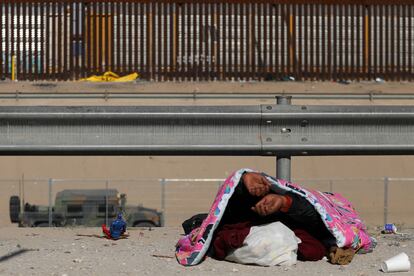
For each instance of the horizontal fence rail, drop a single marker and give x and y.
(207, 40)
(201, 96)
(207, 130)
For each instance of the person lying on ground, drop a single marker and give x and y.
(246, 196)
(255, 203)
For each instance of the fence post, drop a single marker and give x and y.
(291, 40)
(366, 40)
(106, 202)
(50, 202)
(20, 192)
(174, 41)
(283, 162)
(386, 182)
(13, 68)
(150, 42)
(23, 195)
(163, 182)
(251, 50)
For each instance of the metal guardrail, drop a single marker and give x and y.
(262, 130)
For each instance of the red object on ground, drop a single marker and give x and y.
(230, 237)
(310, 249)
(106, 231)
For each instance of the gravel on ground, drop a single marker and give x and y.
(150, 251)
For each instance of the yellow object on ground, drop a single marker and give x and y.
(111, 76)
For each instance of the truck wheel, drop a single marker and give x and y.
(144, 224)
(14, 208)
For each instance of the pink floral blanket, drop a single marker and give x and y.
(336, 212)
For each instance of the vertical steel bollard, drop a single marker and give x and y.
(13, 68)
(283, 162)
(50, 202)
(386, 182)
(106, 202)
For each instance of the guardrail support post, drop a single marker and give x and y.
(283, 162)
(50, 202)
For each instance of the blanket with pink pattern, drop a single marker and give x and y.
(336, 212)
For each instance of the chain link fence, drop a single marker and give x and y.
(378, 200)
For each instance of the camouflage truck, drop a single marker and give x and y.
(86, 208)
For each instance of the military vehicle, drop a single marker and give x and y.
(84, 207)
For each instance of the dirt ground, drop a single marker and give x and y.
(212, 87)
(61, 252)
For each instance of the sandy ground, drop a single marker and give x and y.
(145, 252)
(213, 87)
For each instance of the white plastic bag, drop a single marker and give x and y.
(267, 245)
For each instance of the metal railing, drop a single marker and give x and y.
(261, 130)
(281, 130)
(207, 40)
(108, 96)
(378, 200)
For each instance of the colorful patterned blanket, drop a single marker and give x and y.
(336, 212)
